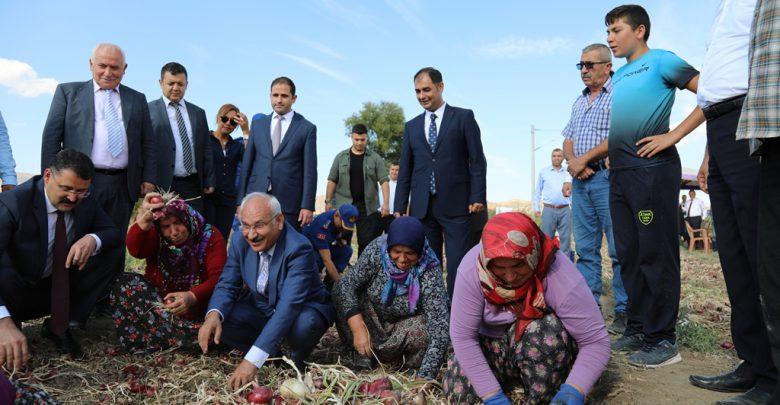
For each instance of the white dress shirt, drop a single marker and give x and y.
(51, 217)
(392, 184)
(100, 155)
(178, 166)
(724, 73)
(439, 118)
(285, 123)
(696, 210)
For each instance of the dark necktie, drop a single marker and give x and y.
(432, 135)
(186, 148)
(60, 286)
(690, 205)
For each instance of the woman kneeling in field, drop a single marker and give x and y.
(393, 304)
(184, 259)
(522, 314)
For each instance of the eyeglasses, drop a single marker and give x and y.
(66, 189)
(257, 226)
(588, 65)
(225, 119)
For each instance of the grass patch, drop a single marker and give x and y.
(696, 336)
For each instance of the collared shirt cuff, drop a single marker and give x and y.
(9, 180)
(4, 312)
(221, 317)
(98, 243)
(256, 356)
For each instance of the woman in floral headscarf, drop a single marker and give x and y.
(524, 315)
(184, 259)
(393, 304)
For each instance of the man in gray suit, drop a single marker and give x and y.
(184, 160)
(108, 122)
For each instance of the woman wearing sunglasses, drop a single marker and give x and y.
(220, 206)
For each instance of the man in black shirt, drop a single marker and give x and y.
(353, 180)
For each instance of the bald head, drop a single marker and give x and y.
(107, 64)
(261, 220)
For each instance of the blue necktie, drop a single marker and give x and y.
(432, 135)
(113, 125)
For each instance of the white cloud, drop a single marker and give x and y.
(320, 47)
(409, 11)
(21, 79)
(320, 68)
(515, 47)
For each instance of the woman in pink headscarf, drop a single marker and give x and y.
(524, 315)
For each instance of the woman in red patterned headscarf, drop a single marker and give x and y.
(524, 315)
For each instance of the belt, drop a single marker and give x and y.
(110, 172)
(722, 108)
(596, 166)
(191, 176)
(556, 206)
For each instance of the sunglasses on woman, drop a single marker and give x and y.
(225, 119)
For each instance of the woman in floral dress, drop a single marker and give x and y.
(522, 314)
(184, 255)
(393, 303)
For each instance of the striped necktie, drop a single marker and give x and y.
(432, 135)
(186, 147)
(113, 124)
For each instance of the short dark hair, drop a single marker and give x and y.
(394, 164)
(173, 68)
(284, 80)
(359, 129)
(71, 159)
(633, 15)
(433, 73)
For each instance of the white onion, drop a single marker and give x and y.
(293, 388)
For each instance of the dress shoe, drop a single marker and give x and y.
(727, 382)
(65, 343)
(755, 396)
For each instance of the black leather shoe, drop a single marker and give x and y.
(755, 396)
(65, 343)
(727, 382)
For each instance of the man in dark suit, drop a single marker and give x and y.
(270, 289)
(184, 159)
(443, 167)
(108, 122)
(281, 156)
(53, 234)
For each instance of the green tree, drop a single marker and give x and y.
(385, 123)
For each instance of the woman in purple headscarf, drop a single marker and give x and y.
(393, 304)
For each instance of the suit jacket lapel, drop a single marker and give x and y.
(86, 103)
(251, 261)
(193, 123)
(445, 125)
(127, 106)
(39, 208)
(420, 128)
(162, 111)
(275, 267)
(290, 132)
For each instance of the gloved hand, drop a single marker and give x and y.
(498, 399)
(568, 395)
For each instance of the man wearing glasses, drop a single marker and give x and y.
(56, 243)
(585, 149)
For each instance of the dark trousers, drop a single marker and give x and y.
(695, 222)
(244, 323)
(292, 219)
(111, 193)
(454, 231)
(733, 187)
(27, 301)
(643, 204)
(769, 245)
(188, 188)
(219, 214)
(368, 227)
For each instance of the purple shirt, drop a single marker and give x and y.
(565, 292)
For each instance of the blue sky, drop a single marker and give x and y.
(511, 62)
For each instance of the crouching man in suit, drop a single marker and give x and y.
(285, 297)
(56, 245)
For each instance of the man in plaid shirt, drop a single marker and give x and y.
(760, 123)
(585, 149)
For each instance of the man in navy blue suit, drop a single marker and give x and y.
(284, 297)
(443, 168)
(281, 156)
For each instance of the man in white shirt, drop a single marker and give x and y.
(695, 211)
(286, 299)
(731, 177)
